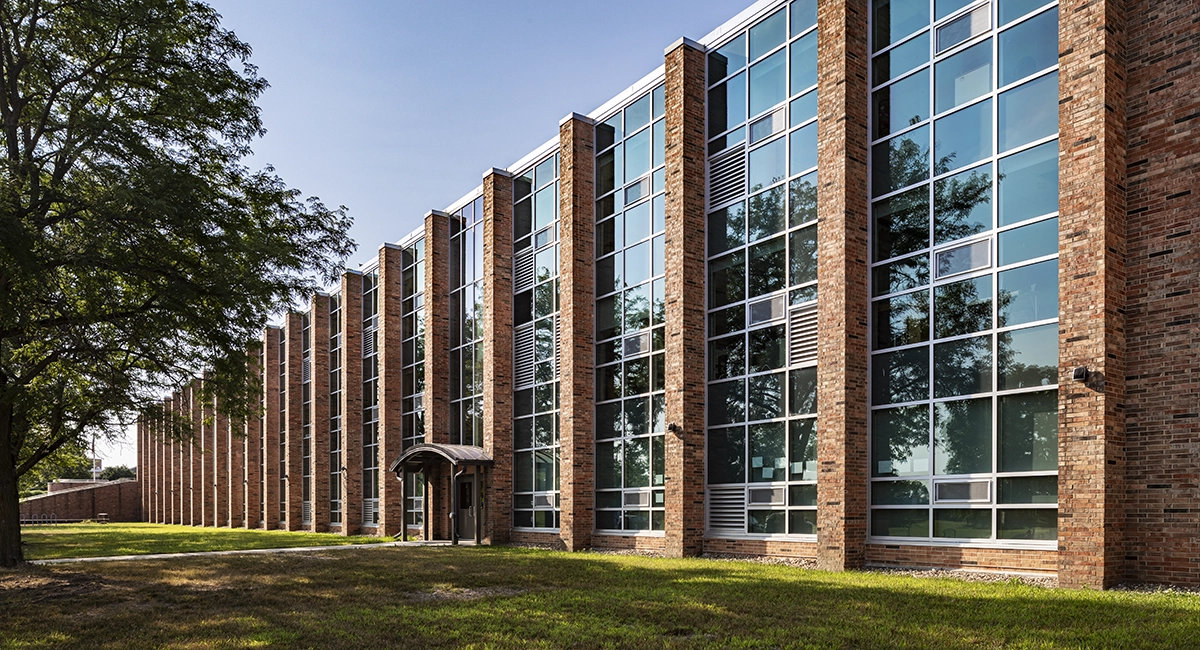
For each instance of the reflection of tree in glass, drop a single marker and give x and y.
(904, 430)
(637, 462)
(956, 200)
(802, 196)
(766, 213)
(963, 437)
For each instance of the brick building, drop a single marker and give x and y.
(901, 282)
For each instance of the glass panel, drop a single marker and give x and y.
(1028, 489)
(766, 214)
(901, 376)
(1028, 357)
(546, 207)
(727, 279)
(1029, 432)
(1029, 47)
(902, 275)
(1027, 524)
(727, 357)
(659, 95)
(543, 470)
(964, 28)
(802, 522)
(660, 144)
(962, 436)
(1028, 184)
(963, 138)
(960, 78)
(726, 228)
(608, 236)
(658, 457)
(901, 224)
(804, 148)
(608, 464)
(637, 308)
(768, 165)
(803, 108)
(962, 205)
(964, 258)
(962, 307)
(901, 161)
(767, 266)
(802, 495)
(768, 82)
(637, 114)
(727, 321)
(901, 320)
(963, 367)
(900, 441)
(802, 199)
(637, 223)
(523, 471)
(901, 104)
(608, 420)
(1028, 242)
(804, 15)
(727, 455)
(768, 33)
(637, 155)
(802, 255)
(523, 433)
(544, 173)
(768, 459)
(892, 21)
(803, 459)
(637, 376)
(804, 63)
(1029, 112)
(609, 312)
(900, 493)
(727, 402)
(943, 8)
(767, 521)
(637, 463)
(637, 263)
(962, 523)
(900, 523)
(730, 58)
(766, 400)
(609, 173)
(768, 349)
(1028, 293)
(901, 59)
(726, 106)
(1010, 10)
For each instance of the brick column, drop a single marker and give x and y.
(437, 328)
(221, 467)
(497, 352)
(1091, 278)
(207, 457)
(251, 446)
(235, 473)
(318, 317)
(270, 428)
(391, 389)
(170, 492)
(294, 406)
(577, 303)
(179, 445)
(351, 402)
(685, 287)
(141, 466)
(193, 460)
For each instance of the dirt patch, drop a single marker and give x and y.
(464, 593)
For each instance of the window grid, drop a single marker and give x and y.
(282, 424)
(466, 324)
(306, 465)
(413, 345)
(335, 409)
(370, 399)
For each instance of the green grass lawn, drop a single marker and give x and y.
(495, 597)
(101, 540)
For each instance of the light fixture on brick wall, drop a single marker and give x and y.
(1080, 374)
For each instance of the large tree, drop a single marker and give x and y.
(136, 249)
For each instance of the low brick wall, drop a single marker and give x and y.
(120, 499)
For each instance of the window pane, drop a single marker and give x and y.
(963, 137)
(962, 307)
(803, 255)
(900, 493)
(768, 82)
(1029, 112)
(768, 457)
(1010, 10)
(802, 522)
(901, 376)
(727, 321)
(768, 349)
(727, 279)
(1028, 357)
(804, 15)
(730, 58)
(768, 165)
(962, 205)
(767, 34)
(727, 402)
(766, 214)
(727, 357)
(768, 266)
(1029, 432)
(608, 464)
(1027, 524)
(803, 108)
(900, 523)
(637, 376)
(893, 20)
(608, 236)
(962, 523)
(962, 367)
(1029, 47)
(901, 59)
(943, 8)
(637, 308)
(727, 455)
(963, 77)
(1028, 184)
(637, 155)
(523, 472)
(766, 521)
(802, 199)
(804, 148)
(637, 115)
(1028, 293)
(900, 441)
(726, 106)
(608, 420)
(543, 470)
(726, 228)
(637, 264)
(637, 223)
(1028, 489)
(901, 161)
(908, 273)
(804, 63)
(803, 459)
(1028, 242)
(609, 313)
(637, 463)
(901, 224)
(962, 436)
(970, 257)
(901, 320)
(901, 104)
(545, 210)
(766, 397)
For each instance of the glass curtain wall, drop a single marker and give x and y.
(535, 354)
(762, 273)
(964, 249)
(335, 409)
(370, 398)
(466, 324)
(630, 312)
(306, 486)
(413, 336)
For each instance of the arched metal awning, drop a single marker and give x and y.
(417, 456)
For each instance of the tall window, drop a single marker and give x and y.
(762, 273)
(306, 419)
(262, 438)
(466, 324)
(535, 341)
(413, 337)
(370, 399)
(964, 249)
(630, 311)
(335, 409)
(282, 424)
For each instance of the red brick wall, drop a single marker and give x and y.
(351, 403)
(987, 559)
(1163, 297)
(640, 543)
(318, 311)
(391, 507)
(498, 351)
(121, 500)
(761, 547)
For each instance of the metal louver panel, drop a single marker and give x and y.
(802, 337)
(557, 348)
(370, 511)
(727, 177)
(306, 371)
(368, 343)
(523, 355)
(306, 512)
(523, 271)
(727, 509)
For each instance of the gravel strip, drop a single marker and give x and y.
(1144, 588)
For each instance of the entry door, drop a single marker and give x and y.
(466, 513)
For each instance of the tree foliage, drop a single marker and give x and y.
(136, 250)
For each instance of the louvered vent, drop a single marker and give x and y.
(523, 271)
(306, 371)
(306, 512)
(523, 355)
(968, 491)
(727, 509)
(727, 177)
(368, 343)
(557, 349)
(370, 513)
(802, 338)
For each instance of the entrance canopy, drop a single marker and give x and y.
(415, 458)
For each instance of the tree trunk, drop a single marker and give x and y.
(10, 513)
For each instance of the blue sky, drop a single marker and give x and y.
(396, 108)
